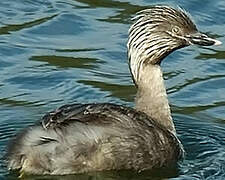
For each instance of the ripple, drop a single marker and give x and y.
(11, 28)
(123, 92)
(124, 9)
(68, 62)
(216, 55)
(204, 146)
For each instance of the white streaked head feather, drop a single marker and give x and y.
(151, 37)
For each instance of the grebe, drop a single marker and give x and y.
(79, 138)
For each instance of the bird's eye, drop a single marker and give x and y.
(175, 29)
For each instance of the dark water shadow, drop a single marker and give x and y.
(123, 92)
(17, 27)
(189, 83)
(195, 109)
(68, 62)
(78, 50)
(215, 55)
(8, 101)
(124, 9)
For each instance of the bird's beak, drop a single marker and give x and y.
(202, 40)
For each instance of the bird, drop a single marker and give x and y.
(81, 138)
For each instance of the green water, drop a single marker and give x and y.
(55, 52)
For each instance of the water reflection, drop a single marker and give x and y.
(215, 55)
(194, 81)
(68, 62)
(78, 50)
(10, 102)
(10, 28)
(124, 9)
(204, 142)
(194, 109)
(123, 92)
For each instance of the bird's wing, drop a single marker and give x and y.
(104, 113)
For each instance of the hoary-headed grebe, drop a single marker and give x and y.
(79, 138)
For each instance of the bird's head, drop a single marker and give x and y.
(158, 31)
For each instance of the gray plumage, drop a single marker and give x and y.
(80, 138)
(94, 137)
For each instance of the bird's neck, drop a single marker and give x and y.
(151, 96)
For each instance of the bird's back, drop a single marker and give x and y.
(93, 137)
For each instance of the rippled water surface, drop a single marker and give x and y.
(61, 51)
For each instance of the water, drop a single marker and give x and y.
(55, 52)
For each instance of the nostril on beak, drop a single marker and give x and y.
(203, 40)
